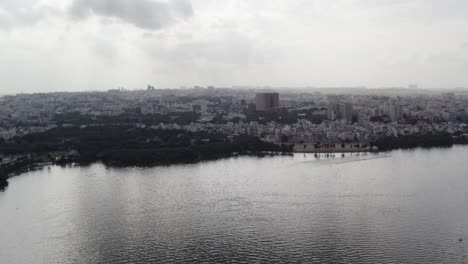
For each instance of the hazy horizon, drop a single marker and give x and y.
(96, 45)
(330, 90)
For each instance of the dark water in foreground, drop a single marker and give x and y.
(404, 207)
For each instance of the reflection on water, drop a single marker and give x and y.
(403, 207)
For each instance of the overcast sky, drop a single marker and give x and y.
(74, 45)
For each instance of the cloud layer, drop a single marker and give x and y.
(50, 45)
(145, 14)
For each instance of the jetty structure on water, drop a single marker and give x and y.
(333, 147)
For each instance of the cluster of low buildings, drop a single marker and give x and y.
(319, 117)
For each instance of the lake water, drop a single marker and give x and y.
(398, 207)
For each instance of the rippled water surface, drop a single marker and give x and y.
(400, 207)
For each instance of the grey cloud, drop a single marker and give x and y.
(5, 19)
(23, 13)
(15, 5)
(182, 7)
(146, 14)
(22, 18)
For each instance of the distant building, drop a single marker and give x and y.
(346, 112)
(333, 111)
(340, 111)
(393, 110)
(267, 101)
(119, 89)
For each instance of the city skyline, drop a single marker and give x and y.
(308, 89)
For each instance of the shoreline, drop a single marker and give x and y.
(15, 169)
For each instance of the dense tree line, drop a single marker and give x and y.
(189, 154)
(412, 141)
(130, 145)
